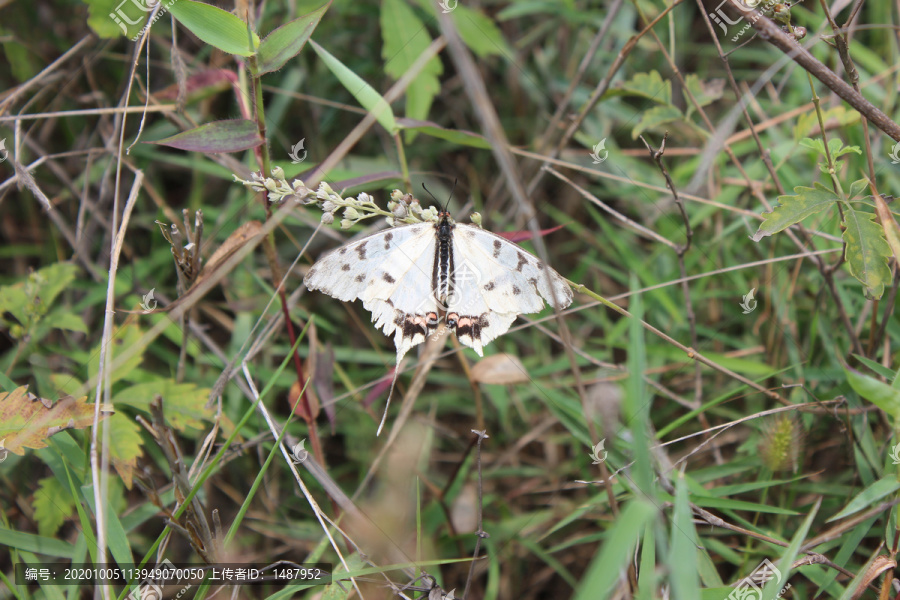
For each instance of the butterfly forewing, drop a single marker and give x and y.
(391, 272)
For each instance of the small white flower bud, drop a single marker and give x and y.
(327, 218)
(351, 213)
(277, 172)
(329, 206)
(346, 224)
(396, 194)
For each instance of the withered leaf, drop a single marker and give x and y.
(26, 421)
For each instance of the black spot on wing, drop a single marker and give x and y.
(361, 250)
(360, 278)
(523, 260)
(345, 267)
(387, 277)
(497, 246)
(387, 240)
(516, 291)
(489, 286)
(342, 250)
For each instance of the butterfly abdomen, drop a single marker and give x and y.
(443, 259)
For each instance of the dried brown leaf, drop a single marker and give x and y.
(26, 421)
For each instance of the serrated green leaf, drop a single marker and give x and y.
(835, 146)
(124, 445)
(232, 135)
(858, 187)
(880, 394)
(405, 39)
(216, 27)
(649, 85)
(183, 403)
(362, 91)
(704, 92)
(793, 209)
(867, 251)
(287, 41)
(122, 337)
(53, 504)
(655, 117)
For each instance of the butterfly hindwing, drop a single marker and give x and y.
(496, 280)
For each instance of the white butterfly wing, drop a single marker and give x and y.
(496, 280)
(391, 272)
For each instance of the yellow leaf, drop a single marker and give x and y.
(26, 420)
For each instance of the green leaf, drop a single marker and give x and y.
(124, 445)
(656, 116)
(362, 91)
(885, 486)
(867, 251)
(615, 552)
(183, 403)
(858, 187)
(457, 136)
(219, 136)
(479, 32)
(683, 546)
(793, 209)
(704, 92)
(649, 85)
(287, 41)
(36, 543)
(216, 27)
(880, 394)
(835, 146)
(405, 39)
(122, 338)
(53, 504)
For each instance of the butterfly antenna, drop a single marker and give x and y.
(430, 194)
(388, 404)
(451, 194)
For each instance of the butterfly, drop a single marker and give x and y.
(411, 277)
